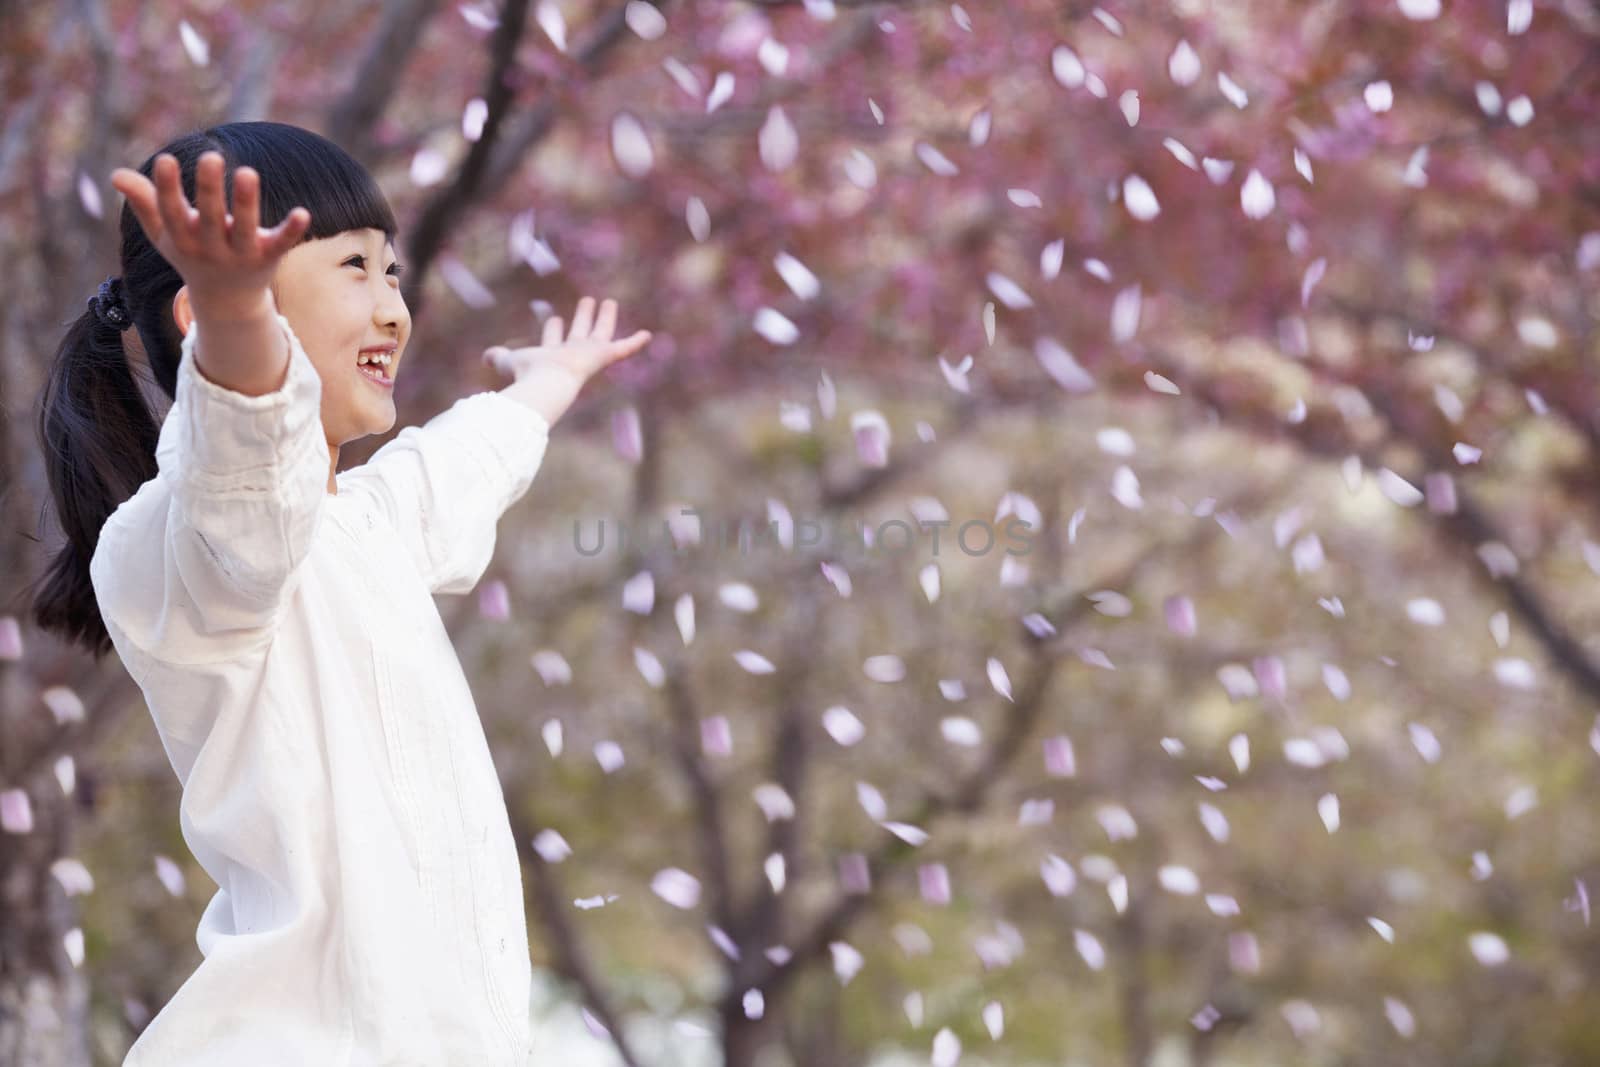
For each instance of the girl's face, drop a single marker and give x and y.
(342, 294)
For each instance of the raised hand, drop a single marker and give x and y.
(587, 349)
(225, 258)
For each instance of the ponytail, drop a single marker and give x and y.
(99, 443)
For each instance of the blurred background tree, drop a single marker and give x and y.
(1275, 322)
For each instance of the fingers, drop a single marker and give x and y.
(246, 192)
(210, 200)
(582, 319)
(628, 346)
(176, 217)
(606, 325)
(552, 331)
(141, 197)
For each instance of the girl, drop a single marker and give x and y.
(278, 613)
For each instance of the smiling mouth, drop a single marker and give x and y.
(380, 373)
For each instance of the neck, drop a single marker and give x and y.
(333, 468)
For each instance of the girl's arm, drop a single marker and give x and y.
(242, 450)
(443, 485)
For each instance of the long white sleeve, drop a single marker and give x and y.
(445, 484)
(244, 479)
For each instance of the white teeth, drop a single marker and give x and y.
(374, 357)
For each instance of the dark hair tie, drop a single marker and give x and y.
(108, 305)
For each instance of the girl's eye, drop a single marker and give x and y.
(395, 269)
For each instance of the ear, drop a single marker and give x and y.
(182, 311)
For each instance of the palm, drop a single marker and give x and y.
(588, 348)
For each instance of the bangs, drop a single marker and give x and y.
(301, 168)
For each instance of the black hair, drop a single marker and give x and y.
(98, 436)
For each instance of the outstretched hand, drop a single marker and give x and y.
(226, 259)
(587, 349)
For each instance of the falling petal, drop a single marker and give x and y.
(774, 801)
(1139, 198)
(1257, 196)
(946, 1048)
(1179, 880)
(609, 755)
(959, 730)
(1222, 904)
(1059, 363)
(846, 961)
(1239, 749)
(1399, 1016)
(775, 326)
(1183, 65)
(1425, 611)
(16, 812)
(842, 725)
(1232, 90)
(1244, 952)
(89, 196)
(1397, 489)
(936, 160)
(779, 144)
(1384, 930)
(74, 877)
(1009, 292)
(64, 704)
(644, 19)
(1156, 383)
(1425, 742)
(1215, 822)
(649, 667)
(1089, 947)
(716, 737)
(170, 875)
(639, 593)
(552, 23)
(10, 638)
(1379, 96)
(754, 662)
(1328, 811)
(473, 117)
(773, 57)
(1067, 68)
(739, 596)
(464, 284)
(683, 615)
(1125, 313)
(1515, 673)
(797, 276)
(630, 145)
(872, 801)
(1050, 258)
(978, 129)
(860, 170)
(1520, 110)
(73, 940)
(677, 887)
(195, 45)
(720, 91)
(998, 678)
(753, 1003)
(872, 437)
(551, 846)
(854, 874)
(933, 881)
(1488, 948)
(1059, 760)
(911, 835)
(1059, 877)
(1420, 10)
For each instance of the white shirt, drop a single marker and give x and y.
(337, 784)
